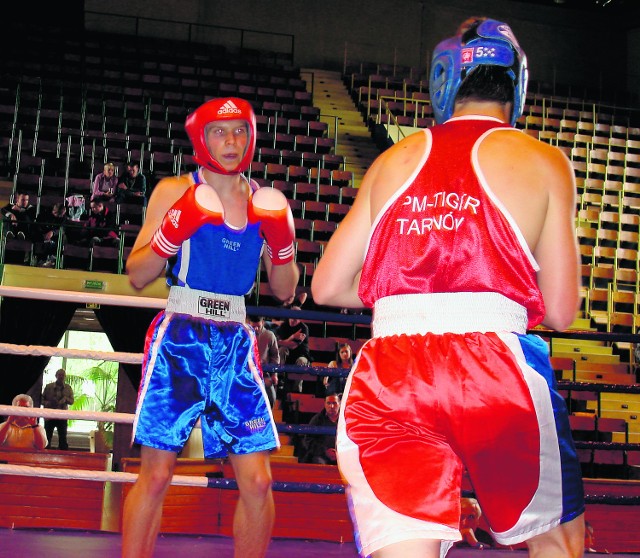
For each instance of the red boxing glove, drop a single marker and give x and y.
(198, 206)
(270, 208)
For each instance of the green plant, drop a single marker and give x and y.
(95, 389)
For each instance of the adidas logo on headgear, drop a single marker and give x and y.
(229, 108)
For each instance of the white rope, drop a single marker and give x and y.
(176, 480)
(102, 476)
(40, 350)
(83, 297)
(98, 416)
(121, 418)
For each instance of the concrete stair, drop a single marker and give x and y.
(354, 140)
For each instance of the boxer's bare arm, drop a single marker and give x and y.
(143, 264)
(536, 183)
(556, 251)
(337, 275)
(282, 278)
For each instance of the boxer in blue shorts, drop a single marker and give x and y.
(208, 230)
(461, 239)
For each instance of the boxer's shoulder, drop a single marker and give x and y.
(173, 187)
(395, 166)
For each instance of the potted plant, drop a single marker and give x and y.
(98, 392)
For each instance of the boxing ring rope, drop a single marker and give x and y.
(39, 350)
(210, 482)
(82, 297)
(160, 303)
(136, 358)
(266, 311)
(124, 418)
(230, 484)
(98, 416)
(127, 418)
(177, 480)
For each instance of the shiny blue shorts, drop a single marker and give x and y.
(195, 367)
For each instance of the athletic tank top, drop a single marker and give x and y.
(218, 258)
(445, 231)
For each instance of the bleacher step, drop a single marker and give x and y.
(588, 357)
(353, 139)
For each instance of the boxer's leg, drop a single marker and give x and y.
(143, 506)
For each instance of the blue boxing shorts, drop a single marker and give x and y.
(435, 393)
(201, 361)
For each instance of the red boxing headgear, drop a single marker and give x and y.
(229, 108)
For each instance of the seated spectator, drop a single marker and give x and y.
(319, 448)
(48, 226)
(590, 540)
(19, 216)
(293, 344)
(296, 300)
(132, 185)
(472, 535)
(98, 227)
(22, 432)
(269, 354)
(105, 184)
(344, 360)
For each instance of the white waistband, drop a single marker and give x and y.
(447, 313)
(203, 304)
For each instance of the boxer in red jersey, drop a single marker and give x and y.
(460, 239)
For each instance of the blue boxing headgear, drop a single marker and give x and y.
(484, 43)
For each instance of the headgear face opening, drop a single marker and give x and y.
(485, 42)
(216, 110)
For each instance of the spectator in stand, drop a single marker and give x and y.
(99, 226)
(57, 395)
(19, 216)
(296, 300)
(269, 354)
(48, 226)
(590, 540)
(344, 360)
(293, 344)
(321, 448)
(472, 535)
(132, 185)
(105, 184)
(22, 432)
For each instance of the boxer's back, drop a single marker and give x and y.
(444, 231)
(516, 166)
(532, 181)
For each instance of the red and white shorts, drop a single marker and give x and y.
(420, 408)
